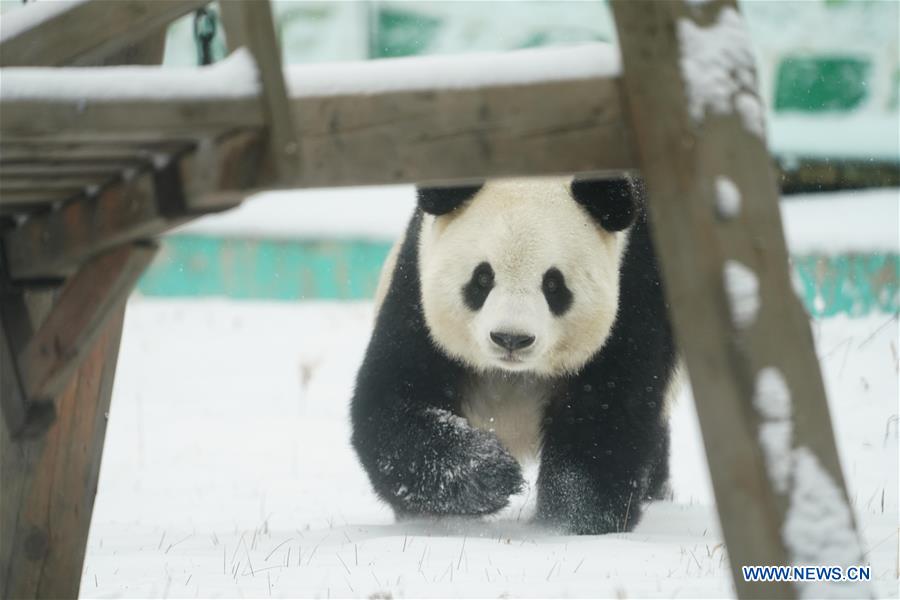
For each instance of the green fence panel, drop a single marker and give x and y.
(821, 83)
(198, 266)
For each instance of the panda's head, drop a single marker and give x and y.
(523, 275)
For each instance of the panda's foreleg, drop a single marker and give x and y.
(595, 467)
(429, 461)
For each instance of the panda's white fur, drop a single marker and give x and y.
(521, 227)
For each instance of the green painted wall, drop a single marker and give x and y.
(198, 266)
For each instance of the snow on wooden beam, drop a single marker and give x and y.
(82, 31)
(403, 120)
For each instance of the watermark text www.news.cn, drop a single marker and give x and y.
(806, 573)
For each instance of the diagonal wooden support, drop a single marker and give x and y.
(689, 80)
(44, 362)
(85, 303)
(251, 25)
(85, 32)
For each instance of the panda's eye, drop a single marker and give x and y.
(559, 297)
(476, 291)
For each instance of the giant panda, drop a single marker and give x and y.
(518, 319)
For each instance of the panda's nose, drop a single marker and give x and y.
(512, 341)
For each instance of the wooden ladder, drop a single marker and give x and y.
(87, 184)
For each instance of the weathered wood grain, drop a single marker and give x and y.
(250, 24)
(380, 138)
(55, 243)
(88, 298)
(49, 483)
(88, 32)
(682, 160)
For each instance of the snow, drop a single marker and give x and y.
(772, 400)
(728, 198)
(818, 529)
(742, 287)
(15, 22)
(857, 221)
(578, 61)
(236, 75)
(835, 136)
(375, 213)
(228, 470)
(718, 69)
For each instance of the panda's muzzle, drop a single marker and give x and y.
(512, 342)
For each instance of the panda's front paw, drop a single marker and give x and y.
(490, 477)
(465, 471)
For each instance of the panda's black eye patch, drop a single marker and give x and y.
(559, 297)
(476, 291)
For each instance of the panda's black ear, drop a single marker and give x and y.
(442, 200)
(614, 203)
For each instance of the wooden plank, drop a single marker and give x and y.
(250, 24)
(378, 138)
(49, 483)
(55, 152)
(86, 301)
(21, 418)
(49, 182)
(56, 243)
(11, 171)
(87, 32)
(17, 201)
(694, 163)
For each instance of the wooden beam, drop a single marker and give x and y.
(250, 24)
(54, 152)
(371, 138)
(717, 230)
(85, 32)
(49, 483)
(86, 301)
(56, 243)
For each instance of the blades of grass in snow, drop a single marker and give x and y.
(346, 568)
(268, 556)
(581, 562)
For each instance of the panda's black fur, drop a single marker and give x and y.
(605, 432)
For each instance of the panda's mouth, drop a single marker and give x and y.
(513, 360)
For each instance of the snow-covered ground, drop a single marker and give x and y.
(228, 472)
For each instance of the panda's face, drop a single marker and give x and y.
(520, 277)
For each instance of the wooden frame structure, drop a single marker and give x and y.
(85, 187)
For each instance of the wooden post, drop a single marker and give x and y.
(49, 482)
(49, 478)
(689, 82)
(251, 25)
